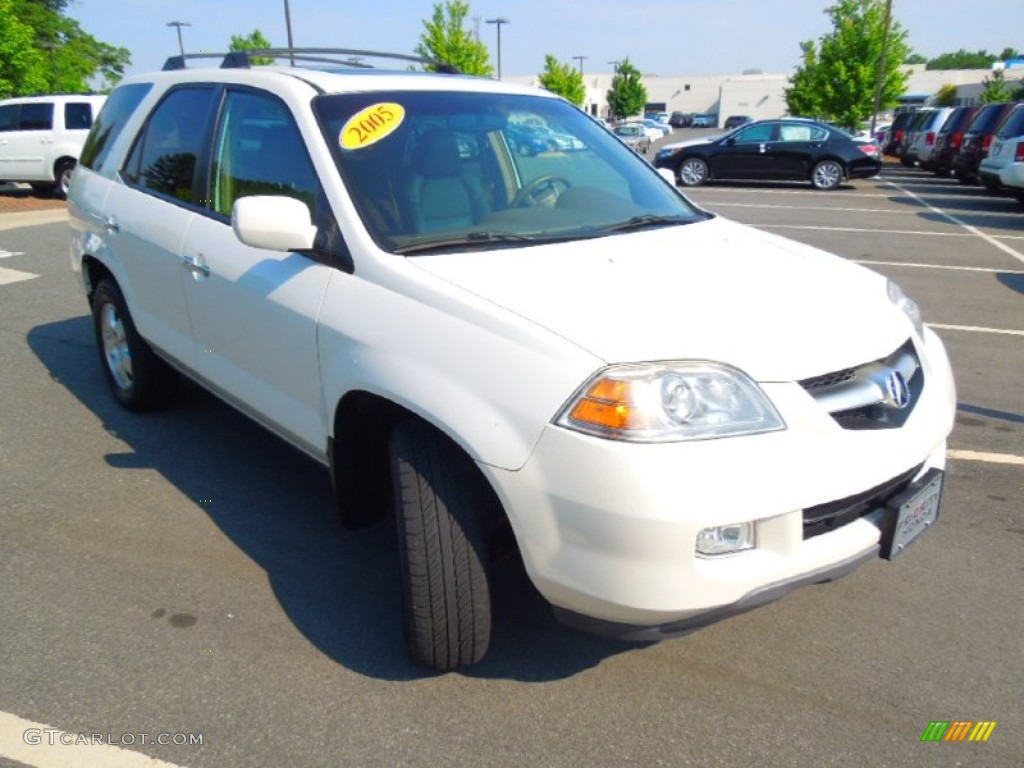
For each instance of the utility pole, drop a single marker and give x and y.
(499, 21)
(288, 25)
(580, 60)
(179, 25)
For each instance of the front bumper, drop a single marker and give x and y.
(607, 529)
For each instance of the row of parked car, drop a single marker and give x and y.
(982, 144)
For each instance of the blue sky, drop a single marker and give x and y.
(665, 37)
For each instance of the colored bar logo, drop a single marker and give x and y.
(958, 730)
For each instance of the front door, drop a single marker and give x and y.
(746, 154)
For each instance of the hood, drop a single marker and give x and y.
(712, 290)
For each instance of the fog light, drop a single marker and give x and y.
(725, 539)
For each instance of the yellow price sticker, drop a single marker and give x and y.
(370, 125)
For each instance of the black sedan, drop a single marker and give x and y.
(790, 148)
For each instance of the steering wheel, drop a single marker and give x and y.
(534, 193)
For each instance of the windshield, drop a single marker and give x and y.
(433, 171)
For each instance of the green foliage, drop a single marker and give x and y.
(627, 96)
(915, 58)
(445, 39)
(42, 50)
(253, 41)
(996, 88)
(962, 59)
(839, 73)
(946, 96)
(563, 79)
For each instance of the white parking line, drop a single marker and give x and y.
(9, 254)
(14, 276)
(990, 458)
(58, 749)
(974, 329)
(916, 265)
(873, 231)
(973, 230)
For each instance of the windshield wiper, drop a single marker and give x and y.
(476, 238)
(647, 220)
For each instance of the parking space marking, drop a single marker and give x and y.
(975, 329)
(949, 217)
(14, 276)
(9, 254)
(904, 211)
(871, 262)
(914, 232)
(989, 458)
(58, 749)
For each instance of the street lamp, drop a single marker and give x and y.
(580, 60)
(179, 25)
(499, 21)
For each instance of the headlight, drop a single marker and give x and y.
(668, 402)
(661, 154)
(908, 305)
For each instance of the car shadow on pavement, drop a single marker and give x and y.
(340, 588)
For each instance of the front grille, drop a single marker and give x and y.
(857, 398)
(827, 517)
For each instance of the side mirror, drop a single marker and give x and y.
(274, 223)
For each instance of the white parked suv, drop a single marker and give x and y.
(671, 416)
(1003, 166)
(42, 136)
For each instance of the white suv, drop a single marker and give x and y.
(673, 417)
(42, 136)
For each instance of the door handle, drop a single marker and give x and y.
(195, 266)
(110, 224)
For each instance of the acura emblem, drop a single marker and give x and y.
(897, 393)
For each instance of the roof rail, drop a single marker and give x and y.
(243, 59)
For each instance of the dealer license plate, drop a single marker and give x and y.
(911, 513)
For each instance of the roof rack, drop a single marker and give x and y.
(243, 59)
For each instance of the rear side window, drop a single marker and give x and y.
(9, 117)
(986, 119)
(1013, 125)
(36, 116)
(77, 115)
(171, 147)
(110, 122)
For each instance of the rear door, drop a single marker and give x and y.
(798, 149)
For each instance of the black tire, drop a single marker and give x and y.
(63, 173)
(826, 175)
(441, 501)
(692, 172)
(138, 379)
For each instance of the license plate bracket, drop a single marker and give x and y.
(911, 513)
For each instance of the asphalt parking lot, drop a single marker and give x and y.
(182, 575)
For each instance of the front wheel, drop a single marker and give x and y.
(441, 503)
(827, 174)
(693, 172)
(138, 379)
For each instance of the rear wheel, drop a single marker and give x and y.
(441, 503)
(692, 172)
(138, 379)
(828, 174)
(63, 173)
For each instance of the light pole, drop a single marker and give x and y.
(288, 24)
(580, 60)
(179, 25)
(499, 21)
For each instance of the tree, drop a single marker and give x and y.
(57, 54)
(996, 88)
(840, 72)
(946, 96)
(563, 79)
(253, 41)
(445, 39)
(962, 59)
(627, 96)
(915, 58)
